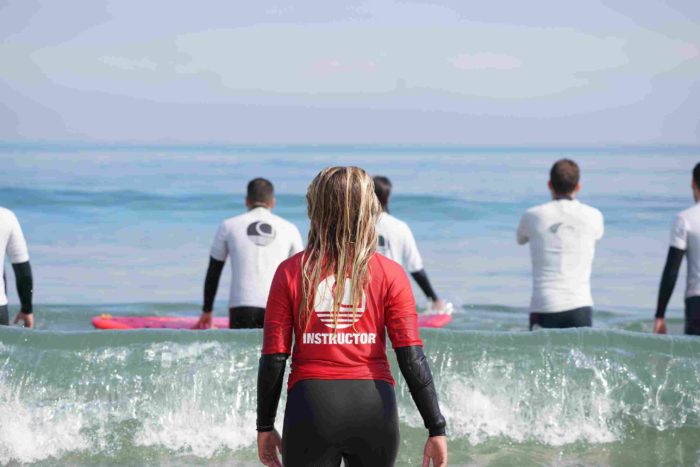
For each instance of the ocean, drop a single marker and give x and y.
(125, 230)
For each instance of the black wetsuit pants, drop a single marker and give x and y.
(246, 317)
(576, 318)
(692, 316)
(329, 420)
(4, 316)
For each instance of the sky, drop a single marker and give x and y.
(502, 72)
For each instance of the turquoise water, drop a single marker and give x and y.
(126, 230)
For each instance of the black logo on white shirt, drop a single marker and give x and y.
(261, 233)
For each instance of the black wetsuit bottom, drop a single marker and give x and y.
(329, 420)
(576, 318)
(4, 316)
(246, 317)
(692, 316)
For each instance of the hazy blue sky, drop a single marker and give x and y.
(457, 71)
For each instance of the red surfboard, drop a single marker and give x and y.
(432, 320)
(152, 322)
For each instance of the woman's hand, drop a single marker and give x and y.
(269, 444)
(436, 451)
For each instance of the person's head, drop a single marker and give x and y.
(695, 183)
(343, 209)
(382, 188)
(260, 193)
(564, 179)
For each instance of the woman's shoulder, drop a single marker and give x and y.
(291, 264)
(385, 266)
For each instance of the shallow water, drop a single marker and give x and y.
(126, 231)
(511, 398)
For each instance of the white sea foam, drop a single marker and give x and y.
(479, 417)
(501, 399)
(197, 399)
(30, 433)
(192, 430)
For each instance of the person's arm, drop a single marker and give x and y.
(415, 370)
(421, 278)
(25, 285)
(211, 283)
(277, 345)
(413, 261)
(522, 235)
(600, 231)
(668, 282)
(402, 326)
(270, 376)
(217, 259)
(679, 243)
(19, 257)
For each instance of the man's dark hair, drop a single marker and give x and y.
(382, 188)
(696, 175)
(564, 176)
(260, 191)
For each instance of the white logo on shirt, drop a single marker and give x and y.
(323, 305)
(261, 233)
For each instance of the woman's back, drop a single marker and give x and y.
(340, 401)
(351, 344)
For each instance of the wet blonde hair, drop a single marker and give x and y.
(343, 210)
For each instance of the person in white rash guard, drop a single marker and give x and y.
(13, 244)
(685, 237)
(562, 235)
(396, 242)
(257, 242)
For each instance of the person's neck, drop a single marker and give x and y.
(569, 197)
(258, 205)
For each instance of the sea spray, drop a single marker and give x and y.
(181, 397)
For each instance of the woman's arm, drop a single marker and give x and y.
(277, 345)
(402, 326)
(415, 369)
(270, 377)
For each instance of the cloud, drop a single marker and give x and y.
(125, 63)
(336, 66)
(689, 51)
(541, 60)
(484, 61)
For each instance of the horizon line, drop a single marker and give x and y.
(253, 147)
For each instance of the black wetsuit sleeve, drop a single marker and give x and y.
(211, 283)
(668, 279)
(25, 285)
(414, 368)
(270, 377)
(422, 279)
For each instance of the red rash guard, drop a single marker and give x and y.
(347, 353)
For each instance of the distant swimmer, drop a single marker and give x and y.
(332, 307)
(257, 242)
(13, 244)
(685, 237)
(396, 242)
(562, 235)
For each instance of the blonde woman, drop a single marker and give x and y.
(340, 402)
